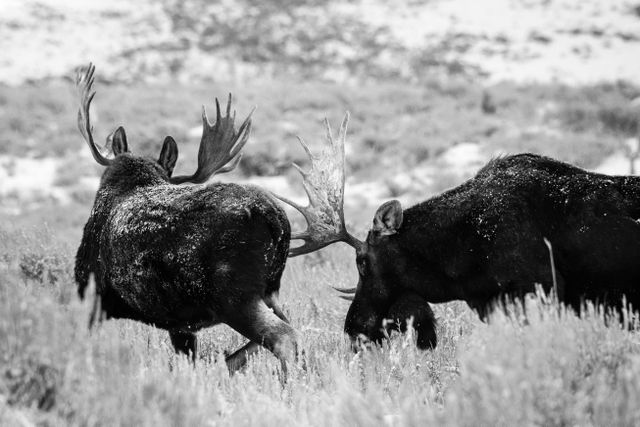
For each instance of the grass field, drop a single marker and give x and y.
(552, 369)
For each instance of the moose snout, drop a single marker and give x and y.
(363, 331)
(360, 342)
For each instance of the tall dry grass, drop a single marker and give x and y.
(551, 369)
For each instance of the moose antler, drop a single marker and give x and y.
(220, 145)
(324, 185)
(84, 82)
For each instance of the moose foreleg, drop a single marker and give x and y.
(184, 342)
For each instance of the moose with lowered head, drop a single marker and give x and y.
(185, 257)
(484, 242)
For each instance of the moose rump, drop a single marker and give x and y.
(177, 257)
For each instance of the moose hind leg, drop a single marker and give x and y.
(272, 302)
(239, 358)
(261, 325)
(185, 343)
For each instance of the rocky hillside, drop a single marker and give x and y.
(571, 41)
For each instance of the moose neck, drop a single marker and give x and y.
(128, 173)
(431, 260)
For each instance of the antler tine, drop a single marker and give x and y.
(324, 185)
(218, 114)
(84, 83)
(220, 145)
(230, 166)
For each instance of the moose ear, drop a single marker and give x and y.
(168, 155)
(388, 218)
(118, 141)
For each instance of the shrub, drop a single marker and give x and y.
(42, 268)
(33, 384)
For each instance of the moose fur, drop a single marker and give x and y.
(484, 241)
(181, 257)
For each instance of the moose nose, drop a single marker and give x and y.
(360, 342)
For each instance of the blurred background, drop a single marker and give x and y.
(435, 89)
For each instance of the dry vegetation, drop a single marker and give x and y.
(553, 369)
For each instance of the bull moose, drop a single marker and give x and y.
(185, 257)
(483, 242)
(324, 185)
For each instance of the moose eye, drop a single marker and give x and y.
(362, 265)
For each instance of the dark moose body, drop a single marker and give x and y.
(184, 257)
(484, 241)
(180, 257)
(187, 257)
(524, 220)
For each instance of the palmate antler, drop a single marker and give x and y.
(324, 185)
(84, 83)
(220, 145)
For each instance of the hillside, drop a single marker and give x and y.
(567, 41)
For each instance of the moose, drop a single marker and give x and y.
(324, 186)
(185, 257)
(524, 220)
